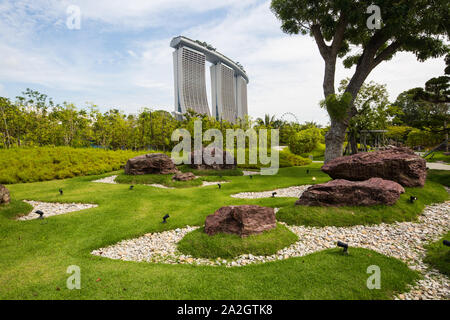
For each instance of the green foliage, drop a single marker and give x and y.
(48, 163)
(305, 141)
(200, 245)
(318, 153)
(338, 106)
(398, 133)
(439, 176)
(422, 138)
(403, 210)
(438, 255)
(288, 159)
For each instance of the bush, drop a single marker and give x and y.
(398, 133)
(305, 141)
(48, 163)
(422, 138)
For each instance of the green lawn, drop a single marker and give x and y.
(35, 254)
(163, 179)
(438, 157)
(438, 255)
(198, 244)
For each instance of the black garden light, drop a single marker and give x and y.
(219, 185)
(251, 177)
(40, 213)
(446, 243)
(61, 192)
(165, 218)
(343, 245)
(307, 171)
(412, 199)
(131, 187)
(274, 194)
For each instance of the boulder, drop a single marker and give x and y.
(4, 195)
(150, 163)
(352, 193)
(209, 161)
(241, 220)
(186, 176)
(397, 164)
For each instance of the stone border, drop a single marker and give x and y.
(51, 209)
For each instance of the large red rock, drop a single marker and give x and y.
(208, 161)
(153, 163)
(397, 164)
(4, 195)
(352, 193)
(241, 220)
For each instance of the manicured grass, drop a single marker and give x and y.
(439, 176)
(403, 210)
(200, 245)
(163, 179)
(35, 254)
(438, 255)
(48, 163)
(15, 208)
(438, 157)
(225, 172)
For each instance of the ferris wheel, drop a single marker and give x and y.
(290, 115)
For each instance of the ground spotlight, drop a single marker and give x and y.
(307, 171)
(274, 194)
(131, 187)
(219, 185)
(446, 243)
(412, 199)
(343, 245)
(313, 178)
(251, 177)
(40, 213)
(165, 218)
(61, 192)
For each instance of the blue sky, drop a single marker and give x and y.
(121, 58)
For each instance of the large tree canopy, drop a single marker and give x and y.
(340, 30)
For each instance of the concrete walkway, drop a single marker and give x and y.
(438, 166)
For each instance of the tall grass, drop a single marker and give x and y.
(48, 163)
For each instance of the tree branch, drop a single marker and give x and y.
(318, 36)
(339, 35)
(386, 53)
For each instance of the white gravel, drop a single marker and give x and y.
(403, 241)
(54, 209)
(291, 192)
(111, 180)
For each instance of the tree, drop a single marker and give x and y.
(373, 110)
(437, 94)
(415, 26)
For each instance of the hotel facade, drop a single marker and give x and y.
(228, 81)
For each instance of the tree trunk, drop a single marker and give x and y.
(334, 140)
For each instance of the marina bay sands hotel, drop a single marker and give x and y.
(228, 81)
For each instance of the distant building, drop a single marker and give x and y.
(228, 81)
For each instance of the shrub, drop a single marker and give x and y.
(305, 141)
(48, 163)
(422, 138)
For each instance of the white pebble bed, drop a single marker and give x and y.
(404, 241)
(54, 209)
(111, 180)
(291, 192)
